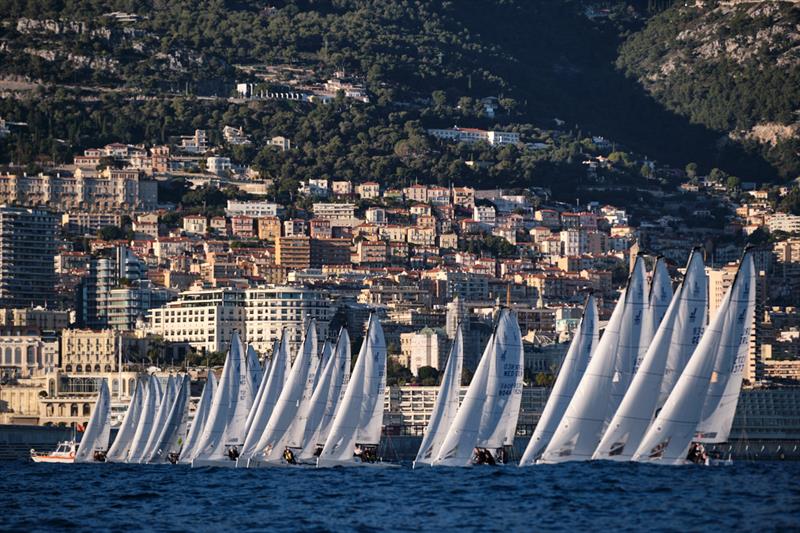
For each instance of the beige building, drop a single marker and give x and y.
(40, 318)
(426, 347)
(110, 190)
(24, 355)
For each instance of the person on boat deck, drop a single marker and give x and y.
(288, 456)
(233, 453)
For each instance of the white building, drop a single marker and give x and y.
(339, 214)
(784, 222)
(282, 143)
(218, 165)
(271, 309)
(376, 215)
(424, 348)
(473, 135)
(195, 144)
(485, 215)
(195, 224)
(255, 209)
(203, 318)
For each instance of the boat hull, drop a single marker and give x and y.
(52, 459)
(217, 463)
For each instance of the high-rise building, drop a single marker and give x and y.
(27, 252)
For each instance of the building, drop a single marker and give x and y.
(38, 318)
(25, 354)
(82, 222)
(329, 252)
(293, 252)
(342, 188)
(255, 209)
(203, 318)
(269, 228)
(485, 215)
(27, 256)
(295, 227)
(85, 351)
(218, 165)
(195, 224)
(473, 135)
(194, 144)
(127, 306)
(784, 222)
(369, 190)
(282, 143)
(110, 190)
(271, 309)
(426, 347)
(243, 226)
(339, 214)
(235, 136)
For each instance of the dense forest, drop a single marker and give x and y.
(426, 63)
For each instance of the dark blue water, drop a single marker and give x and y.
(762, 496)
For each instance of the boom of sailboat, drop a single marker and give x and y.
(653, 388)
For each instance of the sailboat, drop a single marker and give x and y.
(94, 444)
(287, 423)
(168, 443)
(200, 418)
(223, 434)
(701, 406)
(150, 405)
(119, 450)
(263, 410)
(658, 300)
(676, 339)
(356, 429)
(261, 387)
(486, 422)
(572, 369)
(326, 399)
(161, 417)
(446, 405)
(606, 378)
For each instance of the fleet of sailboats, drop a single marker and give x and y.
(657, 381)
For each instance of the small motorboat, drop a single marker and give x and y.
(64, 453)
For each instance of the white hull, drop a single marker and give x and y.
(218, 463)
(355, 462)
(52, 459)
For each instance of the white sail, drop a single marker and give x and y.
(171, 438)
(254, 367)
(127, 430)
(675, 341)
(359, 418)
(161, 418)
(200, 418)
(263, 411)
(726, 379)
(290, 410)
(609, 370)
(711, 377)
(225, 425)
(488, 415)
(150, 405)
(570, 374)
(95, 437)
(261, 387)
(446, 405)
(659, 298)
(326, 402)
(319, 402)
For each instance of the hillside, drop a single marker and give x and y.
(144, 71)
(732, 66)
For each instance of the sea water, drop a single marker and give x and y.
(597, 496)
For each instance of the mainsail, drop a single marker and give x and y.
(171, 438)
(150, 405)
(290, 409)
(95, 438)
(327, 396)
(200, 417)
(261, 387)
(446, 405)
(706, 393)
(488, 415)
(269, 398)
(659, 298)
(232, 401)
(570, 374)
(127, 430)
(359, 417)
(605, 380)
(161, 418)
(676, 339)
